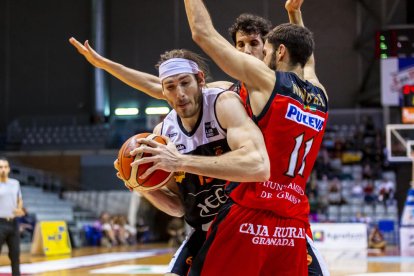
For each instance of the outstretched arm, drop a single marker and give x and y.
(247, 160)
(240, 66)
(293, 8)
(147, 83)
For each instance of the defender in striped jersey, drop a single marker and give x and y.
(262, 229)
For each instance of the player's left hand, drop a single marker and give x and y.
(129, 187)
(164, 157)
(116, 166)
(293, 5)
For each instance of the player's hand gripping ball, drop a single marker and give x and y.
(131, 175)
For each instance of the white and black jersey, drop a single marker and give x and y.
(202, 196)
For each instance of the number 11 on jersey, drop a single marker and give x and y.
(293, 160)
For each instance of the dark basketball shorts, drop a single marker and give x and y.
(316, 264)
(183, 258)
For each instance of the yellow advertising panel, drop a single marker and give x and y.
(51, 238)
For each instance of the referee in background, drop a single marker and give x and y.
(11, 206)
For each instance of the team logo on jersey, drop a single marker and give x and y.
(181, 147)
(304, 118)
(212, 203)
(171, 135)
(211, 129)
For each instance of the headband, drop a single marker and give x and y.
(177, 66)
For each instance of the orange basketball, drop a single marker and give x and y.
(155, 180)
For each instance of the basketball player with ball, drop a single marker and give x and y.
(250, 37)
(209, 125)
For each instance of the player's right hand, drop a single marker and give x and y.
(86, 50)
(164, 157)
(293, 5)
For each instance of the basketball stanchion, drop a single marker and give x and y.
(407, 220)
(400, 148)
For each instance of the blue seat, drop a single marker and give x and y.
(386, 225)
(387, 228)
(93, 235)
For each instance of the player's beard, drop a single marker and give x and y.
(272, 64)
(196, 107)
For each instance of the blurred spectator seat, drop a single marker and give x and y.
(388, 229)
(93, 235)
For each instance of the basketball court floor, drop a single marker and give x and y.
(152, 259)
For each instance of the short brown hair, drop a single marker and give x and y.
(298, 40)
(250, 24)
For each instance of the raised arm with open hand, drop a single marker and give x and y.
(293, 8)
(294, 12)
(147, 83)
(144, 82)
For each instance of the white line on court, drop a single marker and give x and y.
(132, 269)
(76, 262)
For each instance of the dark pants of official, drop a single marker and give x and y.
(9, 234)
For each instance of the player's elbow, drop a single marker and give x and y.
(264, 173)
(259, 174)
(267, 173)
(265, 165)
(180, 212)
(262, 168)
(176, 210)
(176, 213)
(200, 35)
(197, 37)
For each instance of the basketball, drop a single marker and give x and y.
(155, 180)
